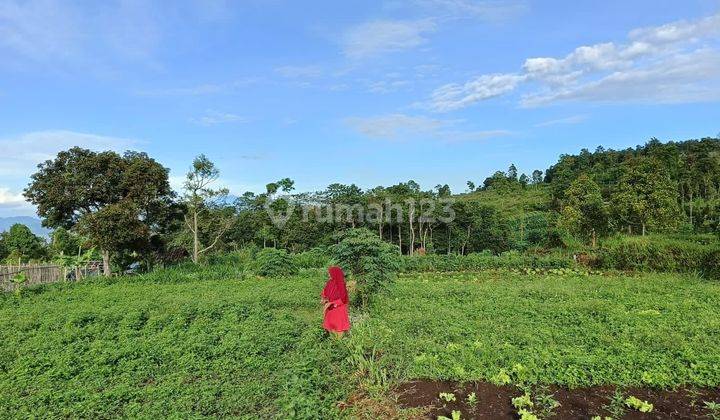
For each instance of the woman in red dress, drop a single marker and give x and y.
(335, 298)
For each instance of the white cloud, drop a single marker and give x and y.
(575, 119)
(455, 96)
(393, 126)
(19, 155)
(8, 198)
(388, 86)
(672, 63)
(397, 127)
(488, 10)
(14, 204)
(294, 72)
(201, 89)
(214, 117)
(373, 38)
(63, 33)
(692, 77)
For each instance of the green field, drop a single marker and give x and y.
(198, 342)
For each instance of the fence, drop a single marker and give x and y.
(45, 273)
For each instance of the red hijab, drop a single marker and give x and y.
(335, 287)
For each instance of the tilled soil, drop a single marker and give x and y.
(494, 402)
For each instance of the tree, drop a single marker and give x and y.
(537, 176)
(22, 244)
(524, 180)
(443, 191)
(79, 183)
(512, 172)
(64, 242)
(123, 220)
(585, 214)
(371, 262)
(645, 196)
(200, 200)
(471, 186)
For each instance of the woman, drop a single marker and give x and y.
(335, 298)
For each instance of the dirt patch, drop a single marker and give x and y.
(494, 402)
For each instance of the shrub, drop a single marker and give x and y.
(660, 253)
(481, 261)
(313, 258)
(371, 261)
(273, 262)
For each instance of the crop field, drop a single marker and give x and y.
(203, 342)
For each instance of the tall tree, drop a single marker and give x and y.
(645, 196)
(537, 177)
(204, 203)
(79, 183)
(584, 214)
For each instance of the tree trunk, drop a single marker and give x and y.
(196, 241)
(594, 238)
(448, 239)
(412, 230)
(106, 263)
(643, 229)
(400, 237)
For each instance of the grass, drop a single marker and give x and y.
(200, 342)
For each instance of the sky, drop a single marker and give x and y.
(364, 92)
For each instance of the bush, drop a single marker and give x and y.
(481, 261)
(313, 258)
(371, 261)
(661, 253)
(273, 262)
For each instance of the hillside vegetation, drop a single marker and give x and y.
(207, 342)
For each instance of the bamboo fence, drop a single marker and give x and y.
(44, 273)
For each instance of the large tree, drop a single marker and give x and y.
(584, 214)
(645, 197)
(85, 189)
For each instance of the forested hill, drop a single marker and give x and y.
(688, 170)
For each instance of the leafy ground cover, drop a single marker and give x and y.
(201, 342)
(170, 344)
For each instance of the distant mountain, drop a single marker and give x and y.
(33, 223)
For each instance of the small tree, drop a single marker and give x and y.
(371, 261)
(200, 200)
(19, 279)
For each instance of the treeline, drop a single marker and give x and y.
(122, 206)
(658, 186)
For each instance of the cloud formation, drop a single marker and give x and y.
(672, 63)
(19, 155)
(215, 117)
(575, 119)
(373, 38)
(398, 127)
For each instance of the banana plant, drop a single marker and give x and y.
(19, 279)
(75, 262)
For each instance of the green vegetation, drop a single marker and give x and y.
(185, 342)
(198, 341)
(272, 262)
(371, 262)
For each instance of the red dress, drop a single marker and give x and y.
(336, 315)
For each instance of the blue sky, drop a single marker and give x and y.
(365, 92)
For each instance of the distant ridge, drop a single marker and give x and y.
(33, 223)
